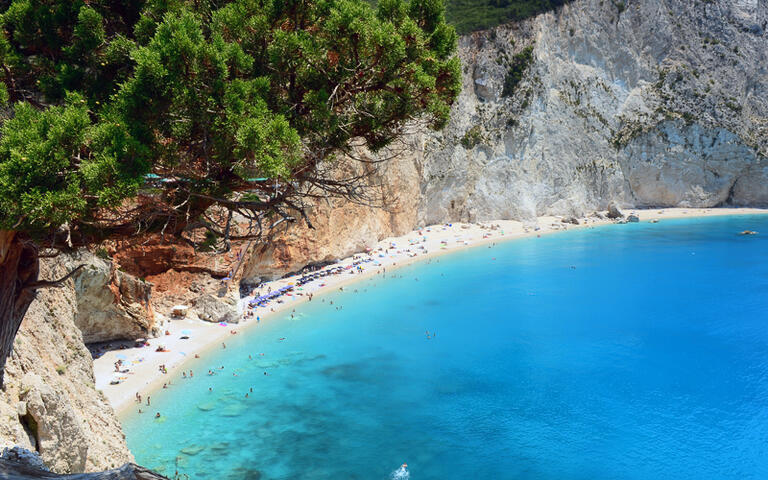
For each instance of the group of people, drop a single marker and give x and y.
(190, 374)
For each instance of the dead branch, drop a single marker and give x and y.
(53, 283)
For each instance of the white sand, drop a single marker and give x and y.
(143, 364)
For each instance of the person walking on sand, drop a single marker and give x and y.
(148, 400)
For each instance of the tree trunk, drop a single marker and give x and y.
(19, 268)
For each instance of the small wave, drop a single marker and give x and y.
(401, 473)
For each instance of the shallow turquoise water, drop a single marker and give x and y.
(636, 352)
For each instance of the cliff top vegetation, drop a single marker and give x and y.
(124, 116)
(472, 15)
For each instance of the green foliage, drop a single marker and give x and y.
(470, 15)
(472, 137)
(203, 95)
(517, 68)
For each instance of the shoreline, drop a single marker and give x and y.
(429, 242)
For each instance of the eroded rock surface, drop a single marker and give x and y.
(111, 304)
(49, 404)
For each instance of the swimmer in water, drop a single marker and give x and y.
(157, 415)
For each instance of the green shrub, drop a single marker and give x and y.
(472, 137)
(520, 63)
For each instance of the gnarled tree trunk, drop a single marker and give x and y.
(19, 268)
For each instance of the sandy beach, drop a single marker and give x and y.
(141, 370)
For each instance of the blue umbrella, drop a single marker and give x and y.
(186, 332)
(120, 356)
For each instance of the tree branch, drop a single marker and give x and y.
(53, 283)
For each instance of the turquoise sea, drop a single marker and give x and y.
(634, 351)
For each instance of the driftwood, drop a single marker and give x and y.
(10, 470)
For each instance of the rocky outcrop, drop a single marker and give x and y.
(213, 309)
(49, 404)
(651, 104)
(636, 103)
(111, 304)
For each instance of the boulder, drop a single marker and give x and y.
(633, 218)
(111, 304)
(614, 213)
(213, 309)
(572, 220)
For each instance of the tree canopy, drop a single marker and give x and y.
(122, 111)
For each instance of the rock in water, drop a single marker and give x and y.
(192, 449)
(633, 219)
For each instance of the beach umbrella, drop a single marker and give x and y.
(186, 332)
(120, 356)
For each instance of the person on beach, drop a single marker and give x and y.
(183, 374)
(148, 400)
(223, 345)
(190, 372)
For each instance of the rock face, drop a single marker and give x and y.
(111, 304)
(49, 404)
(636, 103)
(212, 309)
(343, 228)
(656, 104)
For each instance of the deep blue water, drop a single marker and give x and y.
(634, 351)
